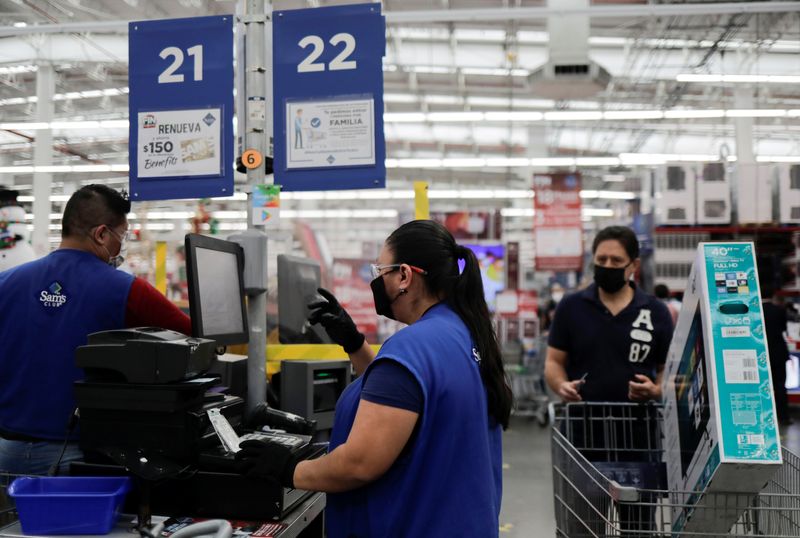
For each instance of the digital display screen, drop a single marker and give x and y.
(220, 298)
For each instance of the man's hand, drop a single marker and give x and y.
(643, 389)
(568, 390)
(266, 460)
(336, 321)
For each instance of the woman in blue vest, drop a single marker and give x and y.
(416, 443)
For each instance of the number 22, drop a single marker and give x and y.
(340, 63)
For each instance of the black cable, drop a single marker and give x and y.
(73, 421)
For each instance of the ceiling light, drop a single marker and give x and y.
(597, 161)
(463, 163)
(692, 114)
(608, 195)
(455, 116)
(513, 116)
(569, 115)
(777, 159)
(746, 79)
(507, 162)
(756, 113)
(633, 115)
(404, 117)
(613, 178)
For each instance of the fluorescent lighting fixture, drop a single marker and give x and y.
(661, 158)
(633, 115)
(16, 169)
(28, 126)
(693, 114)
(745, 79)
(641, 159)
(435, 194)
(569, 115)
(507, 162)
(756, 113)
(114, 124)
(514, 116)
(14, 69)
(404, 117)
(552, 161)
(166, 215)
(455, 116)
(597, 161)
(419, 163)
(399, 98)
(608, 195)
(463, 163)
(778, 159)
(443, 99)
(613, 178)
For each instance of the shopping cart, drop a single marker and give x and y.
(609, 481)
(526, 375)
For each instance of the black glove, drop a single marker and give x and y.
(267, 460)
(337, 322)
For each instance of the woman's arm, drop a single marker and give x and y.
(378, 436)
(362, 357)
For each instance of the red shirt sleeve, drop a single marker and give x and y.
(147, 307)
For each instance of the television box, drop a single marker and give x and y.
(713, 194)
(720, 428)
(678, 189)
(754, 186)
(789, 193)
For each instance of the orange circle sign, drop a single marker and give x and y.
(252, 158)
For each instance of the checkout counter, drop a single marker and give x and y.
(149, 410)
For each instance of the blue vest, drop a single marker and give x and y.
(449, 483)
(49, 307)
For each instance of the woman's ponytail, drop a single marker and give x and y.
(468, 301)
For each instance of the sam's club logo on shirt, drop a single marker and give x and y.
(52, 296)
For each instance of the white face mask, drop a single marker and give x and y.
(557, 296)
(116, 261)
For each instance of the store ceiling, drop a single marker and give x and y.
(439, 67)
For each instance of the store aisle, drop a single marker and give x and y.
(527, 510)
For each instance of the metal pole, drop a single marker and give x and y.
(255, 19)
(43, 156)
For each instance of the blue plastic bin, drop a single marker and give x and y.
(68, 504)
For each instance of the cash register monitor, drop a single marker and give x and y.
(215, 273)
(298, 280)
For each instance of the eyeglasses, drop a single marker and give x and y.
(377, 269)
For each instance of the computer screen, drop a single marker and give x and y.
(298, 280)
(214, 269)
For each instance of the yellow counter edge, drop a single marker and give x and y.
(303, 352)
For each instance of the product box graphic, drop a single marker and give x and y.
(720, 429)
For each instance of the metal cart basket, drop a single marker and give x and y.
(609, 481)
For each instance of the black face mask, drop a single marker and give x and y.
(383, 304)
(610, 279)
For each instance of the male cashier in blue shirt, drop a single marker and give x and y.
(50, 306)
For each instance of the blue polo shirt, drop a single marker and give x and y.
(611, 350)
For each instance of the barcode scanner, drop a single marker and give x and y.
(733, 308)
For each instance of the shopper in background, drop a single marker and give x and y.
(50, 306)
(609, 342)
(416, 442)
(661, 291)
(775, 328)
